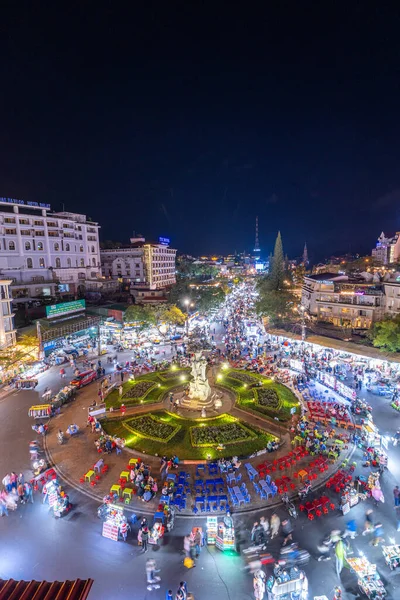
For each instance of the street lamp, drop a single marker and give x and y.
(303, 322)
(186, 302)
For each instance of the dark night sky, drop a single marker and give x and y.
(188, 121)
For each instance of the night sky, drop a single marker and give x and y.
(187, 120)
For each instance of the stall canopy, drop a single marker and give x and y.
(45, 590)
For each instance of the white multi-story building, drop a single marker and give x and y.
(387, 250)
(44, 252)
(343, 301)
(148, 268)
(7, 331)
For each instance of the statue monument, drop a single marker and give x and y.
(199, 388)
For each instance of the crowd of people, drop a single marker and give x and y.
(15, 489)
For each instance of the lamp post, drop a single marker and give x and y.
(186, 302)
(303, 322)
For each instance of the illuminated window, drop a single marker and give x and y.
(80, 248)
(29, 263)
(11, 246)
(58, 263)
(39, 246)
(41, 263)
(56, 247)
(27, 245)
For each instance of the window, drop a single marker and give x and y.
(93, 249)
(38, 223)
(24, 221)
(29, 263)
(82, 262)
(80, 248)
(11, 231)
(41, 263)
(68, 262)
(94, 262)
(11, 246)
(67, 247)
(27, 245)
(56, 247)
(58, 263)
(39, 245)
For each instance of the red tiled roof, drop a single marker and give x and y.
(45, 590)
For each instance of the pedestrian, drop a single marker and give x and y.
(186, 545)
(378, 534)
(28, 492)
(265, 526)
(152, 579)
(368, 526)
(124, 530)
(396, 495)
(120, 391)
(145, 537)
(351, 529)
(7, 483)
(169, 595)
(287, 530)
(183, 589)
(20, 492)
(340, 553)
(123, 409)
(3, 507)
(13, 480)
(122, 376)
(197, 542)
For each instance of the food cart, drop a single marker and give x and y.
(212, 530)
(369, 581)
(113, 518)
(350, 497)
(391, 554)
(40, 411)
(293, 583)
(225, 538)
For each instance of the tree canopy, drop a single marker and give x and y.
(386, 334)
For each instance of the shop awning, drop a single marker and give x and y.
(45, 590)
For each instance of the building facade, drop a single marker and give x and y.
(7, 331)
(45, 253)
(342, 301)
(387, 250)
(149, 269)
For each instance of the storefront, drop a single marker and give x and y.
(225, 539)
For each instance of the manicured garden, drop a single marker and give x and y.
(259, 395)
(147, 388)
(167, 433)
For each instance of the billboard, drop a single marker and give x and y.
(65, 308)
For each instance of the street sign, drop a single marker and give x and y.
(65, 308)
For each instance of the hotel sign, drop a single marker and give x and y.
(65, 308)
(24, 203)
(164, 241)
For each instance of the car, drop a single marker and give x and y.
(84, 378)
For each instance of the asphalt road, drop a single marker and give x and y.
(35, 545)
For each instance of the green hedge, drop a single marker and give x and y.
(152, 428)
(231, 433)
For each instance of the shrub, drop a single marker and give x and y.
(268, 398)
(150, 427)
(231, 433)
(172, 374)
(139, 389)
(245, 377)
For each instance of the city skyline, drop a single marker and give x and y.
(185, 128)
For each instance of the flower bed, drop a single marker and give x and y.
(152, 428)
(245, 377)
(172, 374)
(231, 433)
(267, 397)
(139, 389)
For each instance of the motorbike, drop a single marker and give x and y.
(62, 509)
(60, 437)
(293, 556)
(40, 428)
(289, 506)
(303, 493)
(39, 466)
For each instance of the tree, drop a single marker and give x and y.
(166, 316)
(210, 298)
(277, 306)
(179, 291)
(277, 275)
(386, 334)
(141, 315)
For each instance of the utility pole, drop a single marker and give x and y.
(99, 340)
(303, 323)
(40, 340)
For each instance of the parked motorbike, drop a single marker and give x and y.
(60, 437)
(39, 466)
(303, 493)
(289, 506)
(40, 428)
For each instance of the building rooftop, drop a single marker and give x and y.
(324, 276)
(45, 590)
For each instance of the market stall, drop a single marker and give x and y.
(350, 497)
(113, 519)
(63, 396)
(391, 554)
(368, 577)
(40, 411)
(292, 583)
(212, 530)
(225, 539)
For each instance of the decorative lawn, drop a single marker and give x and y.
(146, 389)
(240, 439)
(151, 427)
(270, 399)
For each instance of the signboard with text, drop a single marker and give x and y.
(164, 241)
(65, 308)
(110, 531)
